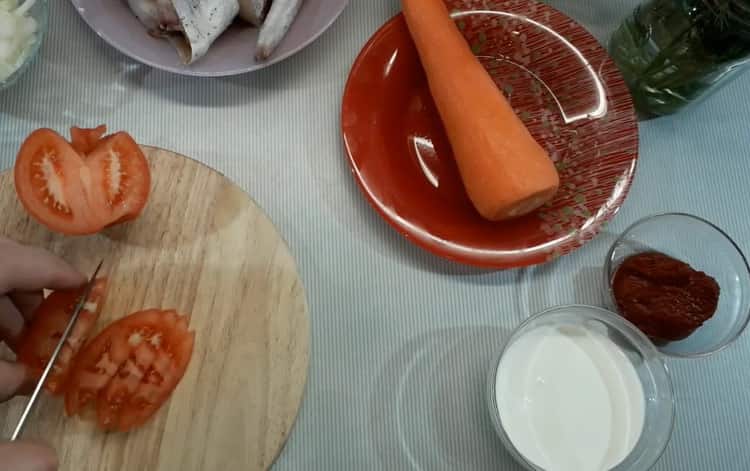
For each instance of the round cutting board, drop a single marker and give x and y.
(203, 247)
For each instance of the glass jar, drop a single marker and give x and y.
(672, 52)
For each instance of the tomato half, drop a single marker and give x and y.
(131, 368)
(49, 322)
(81, 187)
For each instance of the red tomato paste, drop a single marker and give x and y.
(664, 297)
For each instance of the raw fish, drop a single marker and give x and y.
(277, 23)
(254, 11)
(158, 16)
(190, 25)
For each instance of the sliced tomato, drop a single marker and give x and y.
(130, 369)
(81, 187)
(49, 322)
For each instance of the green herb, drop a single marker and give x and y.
(672, 51)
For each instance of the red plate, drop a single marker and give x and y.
(561, 83)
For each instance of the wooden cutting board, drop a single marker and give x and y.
(203, 247)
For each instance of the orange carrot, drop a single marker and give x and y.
(506, 173)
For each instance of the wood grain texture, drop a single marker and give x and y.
(202, 247)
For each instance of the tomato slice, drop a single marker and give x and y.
(130, 369)
(49, 322)
(81, 187)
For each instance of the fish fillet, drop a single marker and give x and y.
(191, 26)
(277, 23)
(254, 11)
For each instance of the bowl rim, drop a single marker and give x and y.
(608, 282)
(612, 319)
(35, 47)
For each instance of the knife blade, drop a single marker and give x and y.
(55, 353)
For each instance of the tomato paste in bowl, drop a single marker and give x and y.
(682, 281)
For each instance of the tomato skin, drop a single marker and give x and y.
(50, 319)
(130, 369)
(83, 186)
(85, 140)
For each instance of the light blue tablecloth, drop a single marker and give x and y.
(401, 339)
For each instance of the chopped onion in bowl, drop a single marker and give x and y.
(17, 35)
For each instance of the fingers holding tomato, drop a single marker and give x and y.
(26, 269)
(124, 374)
(50, 320)
(129, 370)
(14, 379)
(24, 272)
(83, 186)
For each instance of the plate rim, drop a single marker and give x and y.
(498, 263)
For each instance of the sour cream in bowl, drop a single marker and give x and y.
(578, 388)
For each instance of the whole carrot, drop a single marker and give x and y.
(506, 173)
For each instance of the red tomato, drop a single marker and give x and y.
(130, 369)
(82, 187)
(85, 140)
(41, 337)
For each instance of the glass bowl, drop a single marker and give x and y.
(40, 12)
(642, 354)
(705, 247)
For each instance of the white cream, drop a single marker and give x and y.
(569, 399)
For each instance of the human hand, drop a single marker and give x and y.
(24, 273)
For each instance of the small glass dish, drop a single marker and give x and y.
(40, 12)
(704, 247)
(639, 350)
